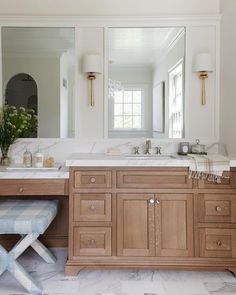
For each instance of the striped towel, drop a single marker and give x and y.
(212, 168)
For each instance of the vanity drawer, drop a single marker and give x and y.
(95, 241)
(218, 242)
(226, 183)
(217, 208)
(92, 207)
(153, 179)
(92, 179)
(47, 187)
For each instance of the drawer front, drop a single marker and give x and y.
(92, 241)
(218, 243)
(17, 187)
(227, 183)
(92, 207)
(217, 208)
(92, 179)
(153, 179)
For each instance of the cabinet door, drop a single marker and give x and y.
(174, 225)
(135, 225)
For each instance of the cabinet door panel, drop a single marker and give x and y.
(174, 225)
(135, 225)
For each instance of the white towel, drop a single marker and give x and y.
(211, 167)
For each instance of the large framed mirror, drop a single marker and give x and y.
(146, 82)
(38, 69)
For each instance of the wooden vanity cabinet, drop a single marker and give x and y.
(150, 218)
(155, 225)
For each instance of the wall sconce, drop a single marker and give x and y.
(92, 66)
(202, 64)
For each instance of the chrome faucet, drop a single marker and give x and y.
(147, 146)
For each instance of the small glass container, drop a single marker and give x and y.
(198, 148)
(38, 160)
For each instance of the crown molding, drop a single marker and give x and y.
(102, 21)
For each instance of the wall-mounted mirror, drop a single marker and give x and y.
(146, 82)
(38, 72)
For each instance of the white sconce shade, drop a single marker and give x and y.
(92, 65)
(202, 62)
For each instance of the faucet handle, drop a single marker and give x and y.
(158, 150)
(136, 150)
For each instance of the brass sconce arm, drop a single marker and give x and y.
(203, 76)
(91, 77)
(202, 64)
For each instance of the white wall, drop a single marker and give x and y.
(228, 76)
(109, 7)
(89, 120)
(67, 94)
(161, 75)
(202, 121)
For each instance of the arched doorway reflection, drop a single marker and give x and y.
(22, 91)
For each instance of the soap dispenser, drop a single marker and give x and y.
(27, 159)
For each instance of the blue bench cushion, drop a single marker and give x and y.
(26, 216)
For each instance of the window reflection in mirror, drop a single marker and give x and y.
(38, 72)
(144, 97)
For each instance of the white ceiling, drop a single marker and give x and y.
(22, 39)
(139, 47)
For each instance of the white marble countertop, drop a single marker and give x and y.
(62, 173)
(124, 160)
(102, 160)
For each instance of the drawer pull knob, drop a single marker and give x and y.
(20, 189)
(218, 209)
(151, 201)
(219, 243)
(92, 179)
(157, 202)
(93, 243)
(92, 207)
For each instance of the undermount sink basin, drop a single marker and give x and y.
(150, 157)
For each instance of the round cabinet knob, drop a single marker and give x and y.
(92, 242)
(92, 179)
(20, 189)
(157, 202)
(218, 209)
(151, 201)
(92, 207)
(219, 243)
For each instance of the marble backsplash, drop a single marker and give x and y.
(61, 149)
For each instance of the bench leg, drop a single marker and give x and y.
(24, 278)
(43, 252)
(23, 244)
(8, 262)
(3, 260)
(40, 248)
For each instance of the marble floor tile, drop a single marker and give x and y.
(116, 282)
